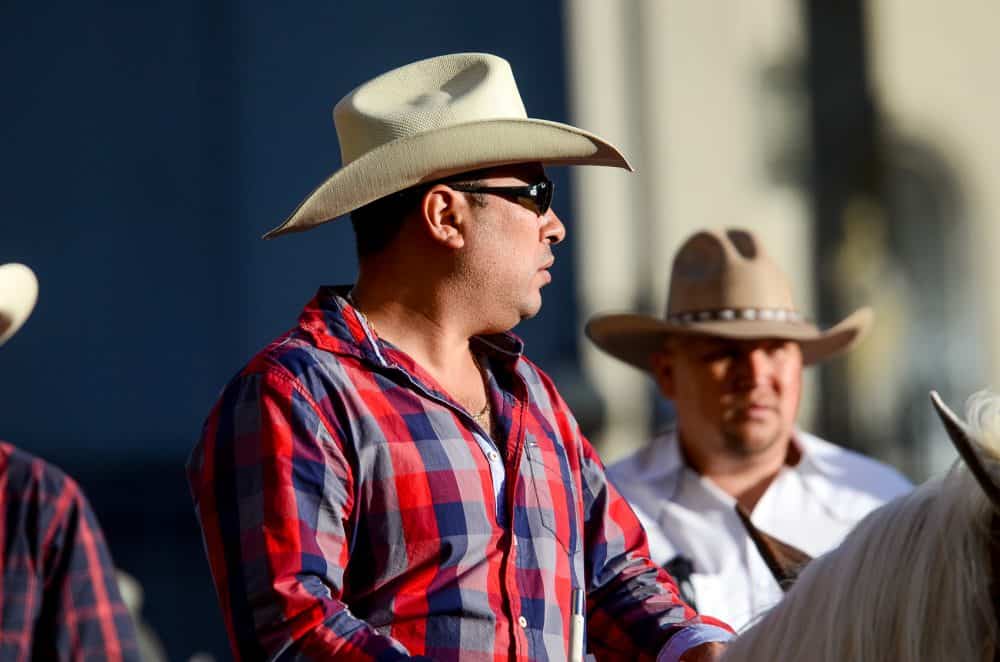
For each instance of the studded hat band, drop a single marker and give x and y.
(733, 314)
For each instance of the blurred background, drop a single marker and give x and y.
(146, 147)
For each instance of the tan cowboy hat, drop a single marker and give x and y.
(724, 284)
(18, 293)
(432, 119)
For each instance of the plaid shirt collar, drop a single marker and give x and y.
(335, 325)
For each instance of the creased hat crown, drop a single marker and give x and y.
(437, 93)
(726, 270)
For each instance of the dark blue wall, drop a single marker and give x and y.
(144, 151)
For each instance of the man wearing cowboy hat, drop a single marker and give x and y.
(729, 355)
(59, 598)
(392, 477)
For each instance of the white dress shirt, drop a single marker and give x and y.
(811, 505)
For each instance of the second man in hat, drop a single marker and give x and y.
(729, 355)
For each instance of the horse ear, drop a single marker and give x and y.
(966, 445)
(783, 560)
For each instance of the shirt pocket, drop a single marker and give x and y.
(552, 492)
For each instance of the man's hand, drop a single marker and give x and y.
(709, 652)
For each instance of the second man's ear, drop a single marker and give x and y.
(662, 367)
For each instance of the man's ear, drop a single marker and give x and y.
(444, 212)
(662, 367)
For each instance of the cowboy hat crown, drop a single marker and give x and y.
(432, 119)
(720, 270)
(724, 284)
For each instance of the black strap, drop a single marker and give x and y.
(681, 568)
(783, 560)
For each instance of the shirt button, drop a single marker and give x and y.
(522, 621)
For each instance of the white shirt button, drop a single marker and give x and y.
(493, 455)
(522, 621)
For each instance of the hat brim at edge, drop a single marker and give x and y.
(635, 338)
(18, 294)
(431, 155)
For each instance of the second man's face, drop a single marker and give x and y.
(735, 397)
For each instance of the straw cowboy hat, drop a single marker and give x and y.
(724, 284)
(432, 119)
(18, 293)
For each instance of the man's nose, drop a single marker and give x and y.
(553, 230)
(753, 366)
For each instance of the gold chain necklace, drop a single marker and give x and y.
(484, 418)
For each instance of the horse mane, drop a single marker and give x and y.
(910, 583)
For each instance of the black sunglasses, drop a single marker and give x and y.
(537, 196)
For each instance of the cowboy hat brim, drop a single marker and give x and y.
(635, 338)
(443, 152)
(18, 293)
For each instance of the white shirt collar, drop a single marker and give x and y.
(661, 461)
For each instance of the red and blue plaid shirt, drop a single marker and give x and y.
(58, 598)
(352, 509)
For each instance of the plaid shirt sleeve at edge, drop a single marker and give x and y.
(82, 615)
(634, 606)
(260, 478)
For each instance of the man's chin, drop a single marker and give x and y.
(749, 442)
(531, 308)
(522, 313)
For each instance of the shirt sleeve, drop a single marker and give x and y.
(273, 491)
(82, 614)
(689, 637)
(634, 607)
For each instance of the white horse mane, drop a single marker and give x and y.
(910, 583)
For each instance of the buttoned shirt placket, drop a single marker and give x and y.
(504, 493)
